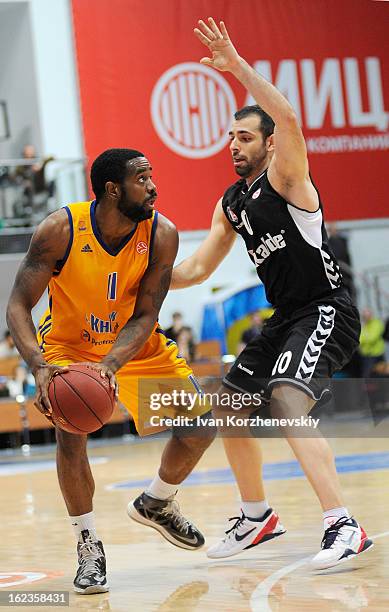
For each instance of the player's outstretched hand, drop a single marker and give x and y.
(43, 376)
(224, 55)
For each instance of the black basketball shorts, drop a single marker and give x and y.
(303, 349)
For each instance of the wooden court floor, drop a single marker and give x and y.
(147, 573)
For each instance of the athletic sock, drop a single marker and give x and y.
(82, 523)
(331, 516)
(160, 489)
(254, 510)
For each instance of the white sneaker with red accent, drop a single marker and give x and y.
(343, 540)
(246, 533)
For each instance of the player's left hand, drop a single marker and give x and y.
(224, 55)
(106, 372)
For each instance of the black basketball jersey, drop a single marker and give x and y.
(288, 246)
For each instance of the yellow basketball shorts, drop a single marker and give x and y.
(156, 386)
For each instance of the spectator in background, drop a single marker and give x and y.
(36, 189)
(176, 326)
(7, 346)
(252, 331)
(385, 336)
(4, 175)
(186, 344)
(372, 344)
(11, 385)
(339, 247)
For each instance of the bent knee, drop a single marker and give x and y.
(199, 435)
(199, 442)
(287, 400)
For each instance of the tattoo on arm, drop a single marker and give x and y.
(159, 293)
(35, 257)
(130, 335)
(113, 363)
(127, 334)
(33, 263)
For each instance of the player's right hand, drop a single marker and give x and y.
(224, 55)
(43, 376)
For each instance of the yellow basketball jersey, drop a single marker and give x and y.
(93, 290)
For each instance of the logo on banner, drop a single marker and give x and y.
(191, 108)
(348, 91)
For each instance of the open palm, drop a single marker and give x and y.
(224, 55)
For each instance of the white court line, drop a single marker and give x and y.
(259, 600)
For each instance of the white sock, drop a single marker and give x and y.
(82, 522)
(331, 516)
(160, 489)
(255, 509)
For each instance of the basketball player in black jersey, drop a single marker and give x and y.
(315, 328)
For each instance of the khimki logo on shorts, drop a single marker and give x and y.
(268, 245)
(191, 110)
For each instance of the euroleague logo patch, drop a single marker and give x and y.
(142, 248)
(256, 194)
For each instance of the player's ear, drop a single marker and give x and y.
(112, 189)
(270, 142)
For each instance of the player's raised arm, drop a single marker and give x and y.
(199, 266)
(289, 166)
(151, 294)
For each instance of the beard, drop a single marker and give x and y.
(133, 211)
(244, 171)
(251, 167)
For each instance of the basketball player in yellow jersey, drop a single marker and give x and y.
(108, 266)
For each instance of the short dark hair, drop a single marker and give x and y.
(111, 165)
(267, 124)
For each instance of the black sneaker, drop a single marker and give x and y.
(164, 515)
(91, 573)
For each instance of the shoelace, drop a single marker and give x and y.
(172, 511)
(239, 520)
(331, 533)
(90, 558)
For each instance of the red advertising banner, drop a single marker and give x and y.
(142, 87)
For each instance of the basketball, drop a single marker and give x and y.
(81, 399)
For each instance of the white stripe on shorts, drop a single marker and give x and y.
(315, 343)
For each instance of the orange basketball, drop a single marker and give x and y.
(82, 400)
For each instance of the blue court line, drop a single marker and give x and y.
(284, 470)
(9, 468)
